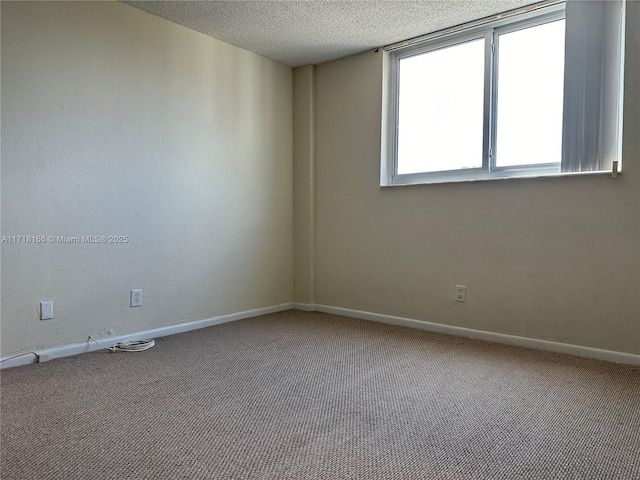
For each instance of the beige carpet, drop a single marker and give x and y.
(307, 395)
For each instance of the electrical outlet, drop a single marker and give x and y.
(136, 298)
(461, 293)
(46, 310)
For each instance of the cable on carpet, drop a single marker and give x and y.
(128, 346)
(19, 355)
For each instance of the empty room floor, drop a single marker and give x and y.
(315, 396)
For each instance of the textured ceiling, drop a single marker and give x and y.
(311, 32)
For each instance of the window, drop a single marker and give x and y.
(497, 99)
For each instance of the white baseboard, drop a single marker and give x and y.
(90, 346)
(546, 345)
(305, 307)
(77, 348)
(19, 360)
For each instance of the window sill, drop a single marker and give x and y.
(419, 179)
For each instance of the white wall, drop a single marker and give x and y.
(115, 122)
(555, 258)
(303, 183)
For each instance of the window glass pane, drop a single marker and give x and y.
(530, 92)
(440, 111)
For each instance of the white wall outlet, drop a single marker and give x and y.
(136, 298)
(461, 293)
(46, 310)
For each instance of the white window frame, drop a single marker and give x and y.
(489, 171)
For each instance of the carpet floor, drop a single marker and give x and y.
(300, 395)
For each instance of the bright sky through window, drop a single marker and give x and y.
(440, 111)
(530, 95)
(441, 102)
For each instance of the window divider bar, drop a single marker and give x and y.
(493, 114)
(486, 126)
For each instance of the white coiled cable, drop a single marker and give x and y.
(128, 346)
